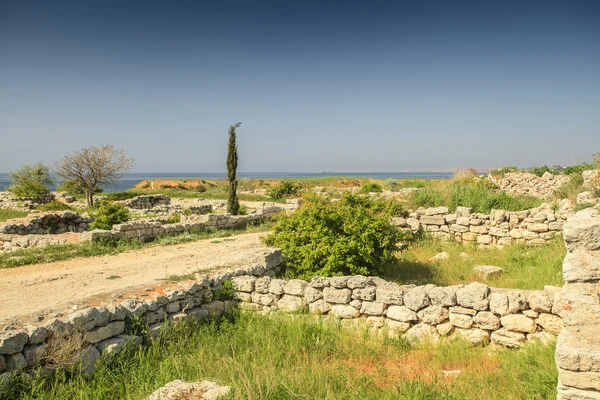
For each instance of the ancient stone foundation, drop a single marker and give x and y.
(40, 223)
(578, 345)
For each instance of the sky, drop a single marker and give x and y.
(318, 85)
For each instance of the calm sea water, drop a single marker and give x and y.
(130, 180)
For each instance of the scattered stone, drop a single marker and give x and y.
(488, 272)
(179, 390)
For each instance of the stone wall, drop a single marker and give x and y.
(528, 184)
(497, 228)
(578, 345)
(146, 230)
(147, 201)
(16, 242)
(103, 328)
(476, 312)
(591, 179)
(53, 222)
(7, 200)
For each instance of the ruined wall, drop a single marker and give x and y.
(53, 222)
(7, 200)
(528, 184)
(497, 228)
(578, 345)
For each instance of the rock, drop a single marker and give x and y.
(357, 282)
(443, 296)
(339, 282)
(244, 283)
(319, 307)
(550, 323)
(88, 359)
(104, 332)
(396, 327)
(344, 311)
(581, 267)
(319, 282)
(337, 296)
(445, 328)
(295, 287)
(389, 293)
(177, 390)
(433, 315)
(586, 198)
(422, 332)
(12, 341)
(436, 211)
(290, 303)
(401, 314)
(509, 339)
(453, 373)
(463, 310)
(261, 285)
(582, 231)
(461, 320)
(373, 308)
(474, 295)
(517, 301)
(268, 299)
(518, 323)
(416, 298)
(464, 211)
(83, 318)
(488, 271)
(540, 301)
(311, 294)
(276, 286)
(15, 362)
(439, 256)
(486, 320)
(484, 239)
(475, 336)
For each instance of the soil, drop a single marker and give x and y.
(44, 289)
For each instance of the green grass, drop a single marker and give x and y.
(7, 213)
(524, 267)
(296, 357)
(53, 253)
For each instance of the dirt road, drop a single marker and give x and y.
(45, 288)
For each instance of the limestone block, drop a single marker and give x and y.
(337, 296)
(474, 295)
(416, 298)
(290, 303)
(443, 296)
(486, 320)
(518, 323)
(507, 338)
(433, 315)
(344, 311)
(401, 314)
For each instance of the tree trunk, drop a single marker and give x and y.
(90, 197)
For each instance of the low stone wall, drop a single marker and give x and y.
(16, 242)
(147, 230)
(578, 346)
(591, 178)
(7, 200)
(40, 223)
(102, 329)
(476, 312)
(497, 228)
(147, 201)
(528, 184)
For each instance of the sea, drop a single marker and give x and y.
(130, 180)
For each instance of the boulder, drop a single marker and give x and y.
(474, 295)
(12, 341)
(518, 323)
(509, 339)
(487, 271)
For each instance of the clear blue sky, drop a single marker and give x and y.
(318, 85)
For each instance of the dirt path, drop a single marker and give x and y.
(45, 288)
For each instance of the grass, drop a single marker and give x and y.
(296, 357)
(7, 213)
(524, 267)
(54, 253)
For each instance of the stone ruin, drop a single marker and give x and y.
(147, 201)
(53, 222)
(528, 184)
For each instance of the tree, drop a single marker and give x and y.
(30, 181)
(93, 167)
(233, 205)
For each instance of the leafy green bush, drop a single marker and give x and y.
(371, 188)
(504, 170)
(109, 214)
(539, 171)
(174, 219)
(54, 205)
(392, 184)
(117, 196)
(283, 190)
(200, 188)
(348, 237)
(225, 291)
(73, 188)
(30, 181)
(578, 169)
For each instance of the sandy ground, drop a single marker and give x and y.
(42, 289)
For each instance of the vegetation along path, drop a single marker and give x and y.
(50, 287)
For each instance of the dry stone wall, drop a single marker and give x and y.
(7, 200)
(40, 223)
(497, 228)
(528, 184)
(578, 346)
(147, 201)
(16, 242)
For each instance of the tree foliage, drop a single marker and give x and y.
(233, 205)
(351, 236)
(93, 167)
(30, 181)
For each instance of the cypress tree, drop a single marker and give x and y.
(233, 205)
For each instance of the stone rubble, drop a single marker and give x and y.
(528, 184)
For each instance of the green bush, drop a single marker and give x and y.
(225, 291)
(504, 170)
(392, 184)
(578, 169)
(54, 205)
(117, 196)
(73, 188)
(283, 190)
(174, 219)
(371, 188)
(426, 197)
(109, 214)
(539, 171)
(30, 181)
(200, 188)
(348, 237)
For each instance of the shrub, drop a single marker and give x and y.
(54, 205)
(243, 210)
(109, 214)
(579, 168)
(174, 219)
(74, 188)
(392, 184)
(201, 188)
(225, 291)
(30, 181)
(504, 170)
(246, 184)
(283, 189)
(571, 189)
(348, 237)
(539, 171)
(371, 188)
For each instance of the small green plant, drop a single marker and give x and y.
(186, 212)
(225, 291)
(243, 210)
(30, 181)
(137, 326)
(201, 188)
(283, 190)
(174, 219)
(392, 184)
(539, 171)
(371, 188)
(54, 205)
(109, 214)
(146, 185)
(504, 170)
